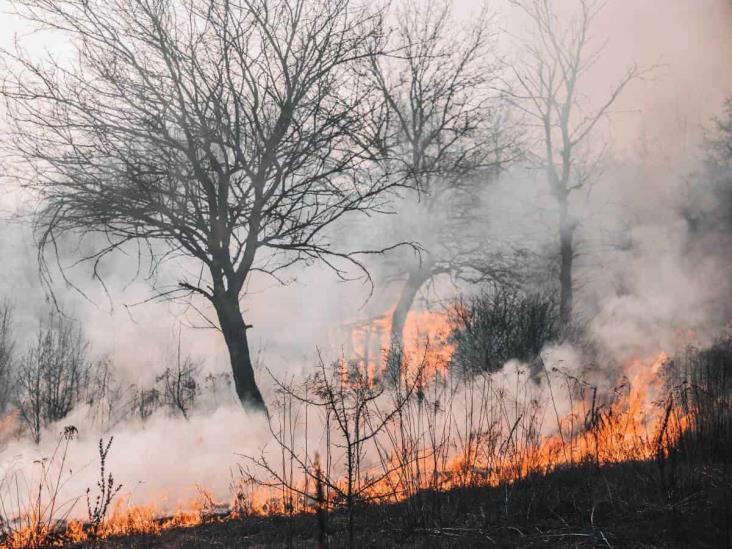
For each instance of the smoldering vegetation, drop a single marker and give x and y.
(318, 273)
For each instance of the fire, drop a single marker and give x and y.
(624, 430)
(492, 431)
(635, 426)
(425, 341)
(123, 520)
(426, 337)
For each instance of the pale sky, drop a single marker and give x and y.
(690, 41)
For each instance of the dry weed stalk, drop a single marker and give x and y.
(107, 490)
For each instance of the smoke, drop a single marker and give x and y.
(160, 462)
(644, 279)
(653, 134)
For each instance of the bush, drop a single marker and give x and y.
(499, 325)
(701, 382)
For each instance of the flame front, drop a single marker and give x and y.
(452, 432)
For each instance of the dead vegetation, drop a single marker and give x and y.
(238, 136)
(448, 460)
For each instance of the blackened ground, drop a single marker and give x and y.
(633, 505)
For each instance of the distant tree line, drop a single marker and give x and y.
(57, 372)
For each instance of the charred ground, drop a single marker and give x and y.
(634, 505)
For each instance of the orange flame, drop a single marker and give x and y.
(637, 423)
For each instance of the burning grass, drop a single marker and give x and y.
(621, 505)
(348, 445)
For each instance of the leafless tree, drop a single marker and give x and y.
(106, 395)
(7, 353)
(549, 91)
(52, 375)
(708, 206)
(347, 399)
(234, 133)
(179, 384)
(446, 131)
(145, 402)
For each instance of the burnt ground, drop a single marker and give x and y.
(634, 505)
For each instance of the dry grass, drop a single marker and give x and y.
(437, 460)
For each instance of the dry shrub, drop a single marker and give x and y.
(701, 382)
(501, 324)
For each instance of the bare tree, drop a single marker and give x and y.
(445, 131)
(230, 132)
(145, 402)
(52, 375)
(548, 91)
(7, 353)
(179, 383)
(347, 398)
(708, 206)
(106, 395)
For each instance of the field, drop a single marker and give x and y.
(630, 505)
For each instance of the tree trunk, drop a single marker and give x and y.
(417, 277)
(234, 330)
(566, 247)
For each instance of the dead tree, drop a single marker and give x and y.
(52, 376)
(230, 133)
(347, 399)
(446, 133)
(548, 89)
(7, 353)
(179, 384)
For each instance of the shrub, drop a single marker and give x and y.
(701, 381)
(501, 324)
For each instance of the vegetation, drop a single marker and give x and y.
(561, 118)
(52, 375)
(58, 373)
(702, 385)
(234, 134)
(621, 506)
(444, 461)
(448, 134)
(499, 325)
(7, 352)
(222, 143)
